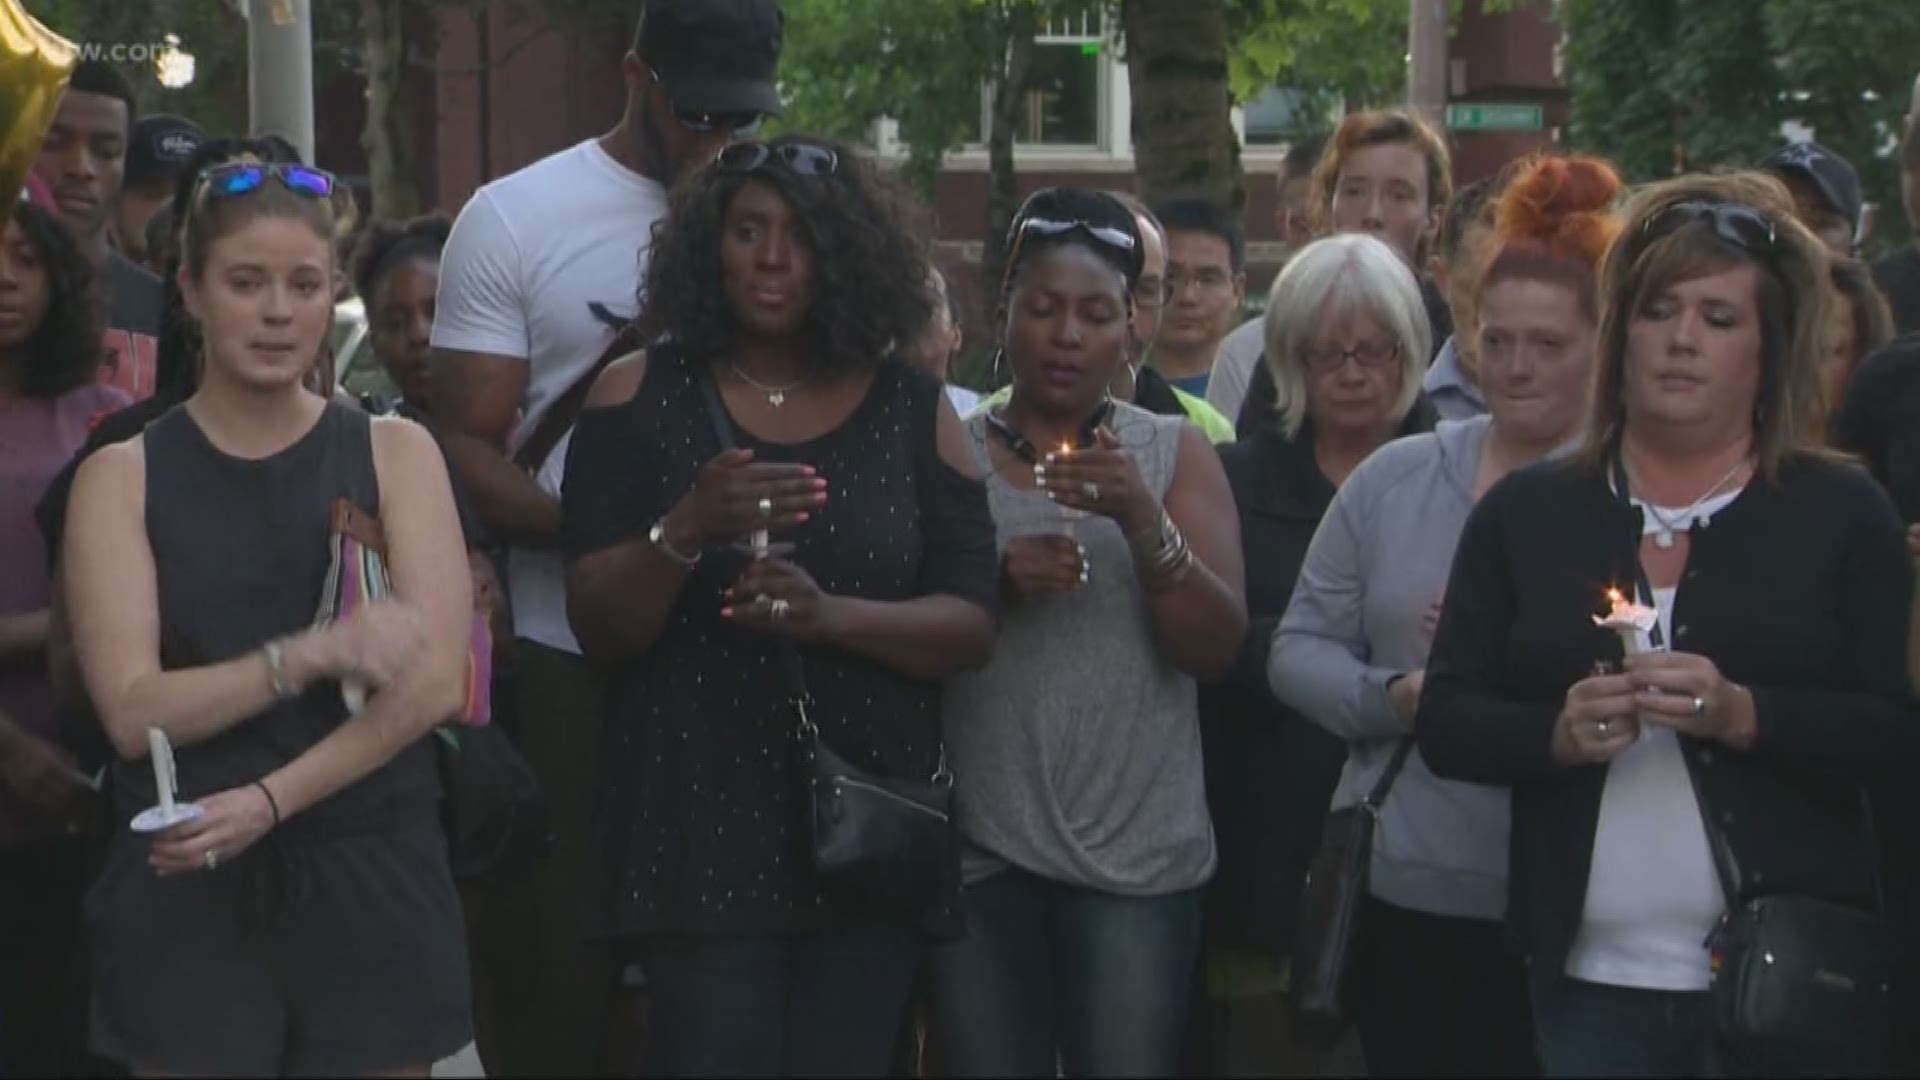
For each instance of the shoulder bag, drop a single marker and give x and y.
(1320, 986)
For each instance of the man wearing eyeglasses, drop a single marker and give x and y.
(539, 275)
(1206, 284)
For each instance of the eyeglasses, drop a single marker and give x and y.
(1372, 355)
(1206, 279)
(706, 123)
(1152, 293)
(798, 158)
(237, 178)
(1742, 226)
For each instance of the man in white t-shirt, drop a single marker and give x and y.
(541, 270)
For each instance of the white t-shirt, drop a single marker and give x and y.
(528, 253)
(1653, 897)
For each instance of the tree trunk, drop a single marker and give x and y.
(389, 134)
(1183, 138)
(1019, 24)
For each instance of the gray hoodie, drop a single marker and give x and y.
(1361, 614)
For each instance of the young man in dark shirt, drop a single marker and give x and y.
(83, 160)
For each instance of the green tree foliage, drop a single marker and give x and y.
(1337, 51)
(1661, 87)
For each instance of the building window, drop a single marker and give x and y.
(1274, 116)
(1060, 102)
(1063, 100)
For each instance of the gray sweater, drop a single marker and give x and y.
(1374, 575)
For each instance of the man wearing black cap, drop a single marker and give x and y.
(159, 150)
(540, 272)
(1826, 192)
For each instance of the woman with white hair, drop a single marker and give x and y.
(1436, 991)
(1347, 338)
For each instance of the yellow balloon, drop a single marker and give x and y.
(34, 65)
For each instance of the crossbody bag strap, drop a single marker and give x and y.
(790, 667)
(1378, 796)
(560, 416)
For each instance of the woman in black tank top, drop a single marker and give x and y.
(306, 922)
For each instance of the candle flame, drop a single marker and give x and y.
(1615, 601)
(1066, 448)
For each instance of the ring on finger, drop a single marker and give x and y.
(1090, 489)
(1699, 706)
(766, 507)
(777, 609)
(211, 859)
(1603, 726)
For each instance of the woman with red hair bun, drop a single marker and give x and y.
(1438, 993)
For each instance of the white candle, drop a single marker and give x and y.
(1627, 619)
(761, 544)
(162, 755)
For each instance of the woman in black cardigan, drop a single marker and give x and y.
(1781, 586)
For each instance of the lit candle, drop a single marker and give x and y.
(1627, 619)
(162, 754)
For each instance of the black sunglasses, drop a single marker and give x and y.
(237, 178)
(1742, 226)
(798, 158)
(706, 123)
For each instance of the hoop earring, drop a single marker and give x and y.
(999, 355)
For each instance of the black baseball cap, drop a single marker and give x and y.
(714, 56)
(160, 147)
(1839, 184)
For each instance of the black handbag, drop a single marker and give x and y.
(494, 810)
(1320, 984)
(880, 844)
(1801, 986)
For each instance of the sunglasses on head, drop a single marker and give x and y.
(1118, 239)
(245, 177)
(706, 123)
(800, 159)
(1742, 226)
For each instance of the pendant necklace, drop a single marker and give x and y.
(776, 395)
(1665, 526)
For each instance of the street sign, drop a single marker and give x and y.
(1494, 117)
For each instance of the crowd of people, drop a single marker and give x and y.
(727, 692)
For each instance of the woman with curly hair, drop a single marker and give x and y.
(1437, 992)
(396, 272)
(779, 282)
(49, 352)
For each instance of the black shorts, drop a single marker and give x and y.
(306, 955)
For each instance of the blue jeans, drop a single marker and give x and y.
(1590, 1030)
(826, 1003)
(1053, 978)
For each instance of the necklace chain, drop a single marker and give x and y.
(776, 395)
(1669, 525)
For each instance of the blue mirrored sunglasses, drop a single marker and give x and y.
(245, 177)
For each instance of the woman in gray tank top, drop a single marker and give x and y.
(1076, 750)
(306, 921)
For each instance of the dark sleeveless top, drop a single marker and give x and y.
(240, 552)
(704, 810)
